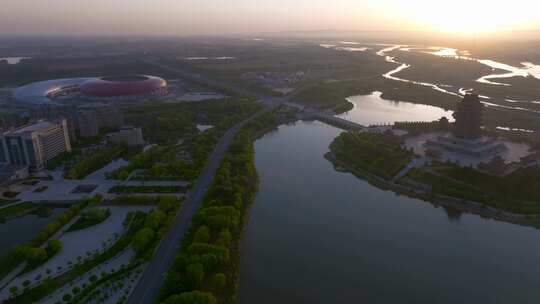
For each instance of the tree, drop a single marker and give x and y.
(192, 297)
(122, 174)
(444, 124)
(195, 274)
(495, 166)
(166, 203)
(142, 239)
(53, 247)
(218, 281)
(433, 153)
(202, 235)
(155, 219)
(225, 237)
(36, 256)
(95, 214)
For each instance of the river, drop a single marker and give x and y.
(528, 70)
(388, 51)
(316, 235)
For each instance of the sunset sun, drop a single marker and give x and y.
(468, 17)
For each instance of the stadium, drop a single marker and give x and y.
(110, 88)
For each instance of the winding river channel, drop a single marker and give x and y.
(389, 52)
(527, 70)
(316, 235)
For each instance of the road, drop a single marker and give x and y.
(153, 276)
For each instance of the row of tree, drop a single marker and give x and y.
(94, 162)
(206, 268)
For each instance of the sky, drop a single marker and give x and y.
(214, 17)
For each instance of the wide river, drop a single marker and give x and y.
(316, 235)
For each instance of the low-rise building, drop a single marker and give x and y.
(34, 144)
(11, 173)
(127, 135)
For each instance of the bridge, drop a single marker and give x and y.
(334, 121)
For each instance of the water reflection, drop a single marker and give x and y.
(13, 60)
(372, 109)
(454, 215)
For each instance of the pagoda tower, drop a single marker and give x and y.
(468, 116)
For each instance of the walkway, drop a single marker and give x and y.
(415, 163)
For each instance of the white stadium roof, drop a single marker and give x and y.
(36, 93)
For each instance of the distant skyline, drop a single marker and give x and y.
(215, 17)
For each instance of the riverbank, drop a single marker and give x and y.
(437, 200)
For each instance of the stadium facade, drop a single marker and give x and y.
(111, 88)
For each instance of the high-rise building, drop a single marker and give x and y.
(56, 112)
(88, 124)
(94, 117)
(34, 144)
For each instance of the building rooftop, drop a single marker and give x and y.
(94, 105)
(41, 125)
(37, 93)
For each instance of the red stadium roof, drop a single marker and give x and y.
(122, 85)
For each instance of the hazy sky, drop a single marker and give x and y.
(188, 17)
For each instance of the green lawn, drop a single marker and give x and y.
(518, 192)
(16, 210)
(378, 154)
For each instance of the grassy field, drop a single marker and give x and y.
(16, 210)
(518, 192)
(379, 154)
